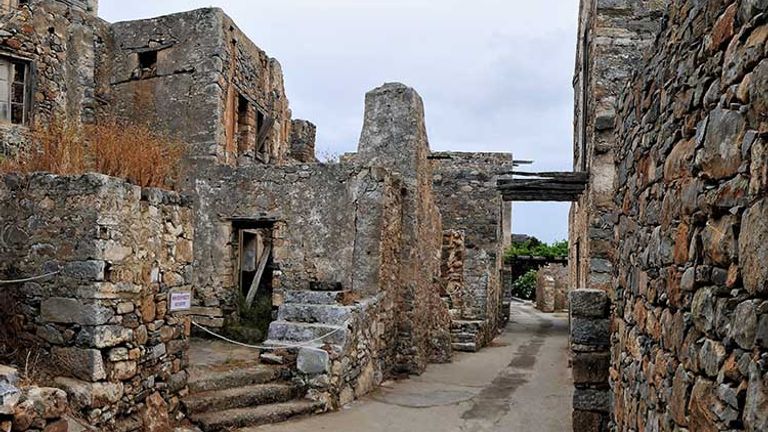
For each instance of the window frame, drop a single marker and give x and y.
(13, 63)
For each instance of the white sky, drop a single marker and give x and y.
(495, 75)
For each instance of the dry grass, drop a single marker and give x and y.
(132, 151)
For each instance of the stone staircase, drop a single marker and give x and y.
(466, 335)
(240, 398)
(309, 315)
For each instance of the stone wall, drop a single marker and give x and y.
(461, 178)
(112, 253)
(552, 288)
(612, 37)
(690, 336)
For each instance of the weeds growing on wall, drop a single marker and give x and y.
(132, 151)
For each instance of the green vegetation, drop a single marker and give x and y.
(538, 249)
(525, 286)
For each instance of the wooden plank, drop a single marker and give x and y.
(259, 274)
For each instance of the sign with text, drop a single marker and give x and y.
(180, 301)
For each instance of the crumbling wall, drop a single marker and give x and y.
(111, 253)
(612, 38)
(205, 71)
(62, 47)
(552, 288)
(691, 320)
(459, 179)
(394, 137)
(316, 214)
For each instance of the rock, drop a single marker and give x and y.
(9, 398)
(85, 364)
(756, 406)
(155, 414)
(591, 400)
(273, 359)
(753, 247)
(678, 401)
(591, 368)
(9, 375)
(124, 370)
(711, 357)
(590, 331)
(37, 406)
(744, 324)
(105, 336)
(72, 311)
(589, 303)
(721, 157)
(83, 395)
(312, 361)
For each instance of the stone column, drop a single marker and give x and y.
(591, 357)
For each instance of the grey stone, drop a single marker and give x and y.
(711, 357)
(590, 331)
(744, 325)
(313, 361)
(72, 311)
(85, 364)
(753, 247)
(9, 398)
(9, 375)
(589, 303)
(756, 406)
(105, 336)
(591, 400)
(88, 395)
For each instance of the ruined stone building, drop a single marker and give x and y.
(669, 236)
(370, 268)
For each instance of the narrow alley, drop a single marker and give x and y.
(521, 383)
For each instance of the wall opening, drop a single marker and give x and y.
(147, 64)
(255, 274)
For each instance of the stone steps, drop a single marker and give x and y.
(240, 397)
(313, 297)
(287, 332)
(315, 313)
(464, 347)
(203, 379)
(246, 419)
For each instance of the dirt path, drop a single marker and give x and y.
(520, 384)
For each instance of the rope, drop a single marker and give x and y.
(260, 347)
(34, 278)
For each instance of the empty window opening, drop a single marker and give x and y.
(264, 127)
(14, 99)
(255, 274)
(147, 64)
(246, 132)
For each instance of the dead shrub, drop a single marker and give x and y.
(135, 152)
(131, 151)
(58, 149)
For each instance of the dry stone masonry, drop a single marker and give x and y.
(689, 339)
(113, 253)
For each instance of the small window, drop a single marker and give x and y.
(148, 64)
(13, 92)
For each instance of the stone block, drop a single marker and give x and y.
(73, 311)
(312, 361)
(85, 364)
(9, 398)
(589, 303)
(105, 336)
(590, 331)
(591, 400)
(589, 421)
(83, 395)
(753, 248)
(9, 375)
(591, 368)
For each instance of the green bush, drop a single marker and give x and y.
(525, 286)
(538, 249)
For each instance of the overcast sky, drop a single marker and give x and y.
(495, 75)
